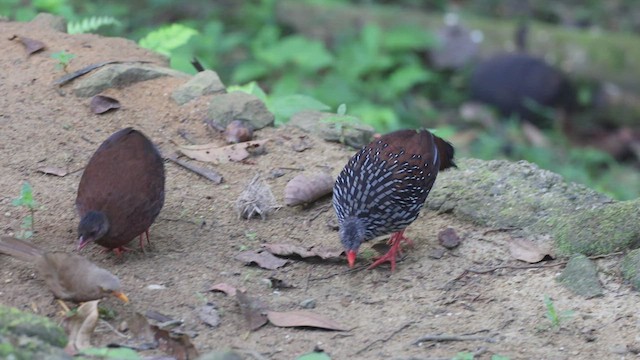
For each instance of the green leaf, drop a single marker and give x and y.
(112, 353)
(26, 197)
(499, 357)
(284, 107)
(90, 24)
(167, 38)
(250, 88)
(404, 79)
(310, 55)
(314, 356)
(248, 71)
(342, 109)
(407, 39)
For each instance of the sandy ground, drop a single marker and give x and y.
(198, 233)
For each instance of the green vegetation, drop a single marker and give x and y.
(555, 317)
(382, 76)
(63, 59)
(26, 200)
(109, 353)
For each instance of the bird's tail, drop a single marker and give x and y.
(446, 151)
(19, 249)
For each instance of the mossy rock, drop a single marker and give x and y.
(28, 336)
(581, 277)
(631, 268)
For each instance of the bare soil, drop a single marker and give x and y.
(198, 234)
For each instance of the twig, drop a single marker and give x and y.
(205, 173)
(385, 339)
(103, 322)
(501, 230)
(445, 338)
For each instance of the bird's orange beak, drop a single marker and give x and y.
(121, 296)
(351, 258)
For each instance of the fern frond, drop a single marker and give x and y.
(91, 24)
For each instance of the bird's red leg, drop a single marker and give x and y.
(390, 256)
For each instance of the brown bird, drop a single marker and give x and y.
(69, 276)
(383, 187)
(121, 191)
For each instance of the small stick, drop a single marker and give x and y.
(445, 338)
(385, 339)
(205, 173)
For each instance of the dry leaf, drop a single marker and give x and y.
(303, 252)
(303, 318)
(448, 238)
(213, 153)
(209, 315)
(238, 131)
(80, 326)
(143, 336)
(264, 259)
(304, 189)
(177, 345)
(253, 310)
(101, 104)
(52, 170)
(225, 288)
(32, 46)
(529, 251)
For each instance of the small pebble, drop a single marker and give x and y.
(156, 287)
(308, 304)
(448, 238)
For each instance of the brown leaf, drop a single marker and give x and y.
(213, 153)
(253, 310)
(32, 46)
(225, 288)
(80, 326)
(304, 189)
(303, 318)
(143, 336)
(52, 170)
(101, 104)
(176, 345)
(448, 238)
(303, 252)
(263, 259)
(529, 251)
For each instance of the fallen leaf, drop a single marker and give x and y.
(80, 326)
(529, 251)
(52, 170)
(143, 336)
(303, 252)
(101, 104)
(209, 315)
(253, 310)
(176, 345)
(213, 153)
(303, 318)
(304, 189)
(448, 238)
(225, 288)
(264, 259)
(32, 46)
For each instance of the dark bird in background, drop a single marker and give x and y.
(69, 276)
(383, 187)
(121, 191)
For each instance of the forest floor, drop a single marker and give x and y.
(198, 235)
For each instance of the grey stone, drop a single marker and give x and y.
(581, 277)
(631, 268)
(308, 304)
(45, 20)
(333, 127)
(203, 83)
(238, 105)
(120, 76)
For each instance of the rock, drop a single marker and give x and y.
(308, 304)
(238, 105)
(449, 238)
(45, 20)
(119, 76)
(203, 83)
(332, 127)
(503, 194)
(581, 277)
(28, 336)
(631, 268)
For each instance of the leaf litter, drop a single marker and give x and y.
(264, 259)
(221, 154)
(80, 326)
(303, 252)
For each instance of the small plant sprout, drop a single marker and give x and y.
(553, 315)
(26, 200)
(63, 59)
